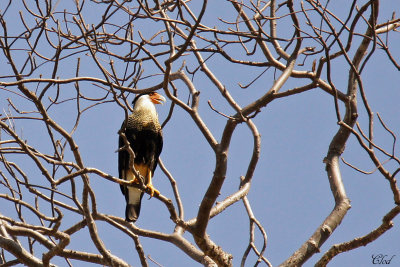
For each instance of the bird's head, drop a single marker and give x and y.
(147, 99)
(152, 97)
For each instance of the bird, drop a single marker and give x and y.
(144, 134)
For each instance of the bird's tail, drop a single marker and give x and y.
(132, 212)
(133, 204)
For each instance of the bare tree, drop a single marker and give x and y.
(63, 59)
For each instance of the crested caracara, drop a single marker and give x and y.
(144, 134)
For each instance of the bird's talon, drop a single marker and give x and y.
(153, 191)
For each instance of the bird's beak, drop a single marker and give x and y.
(157, 98)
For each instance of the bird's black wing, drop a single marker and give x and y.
(158, 149)
(123, 161)
(123, 155)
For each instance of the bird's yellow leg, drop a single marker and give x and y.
(150, 186)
